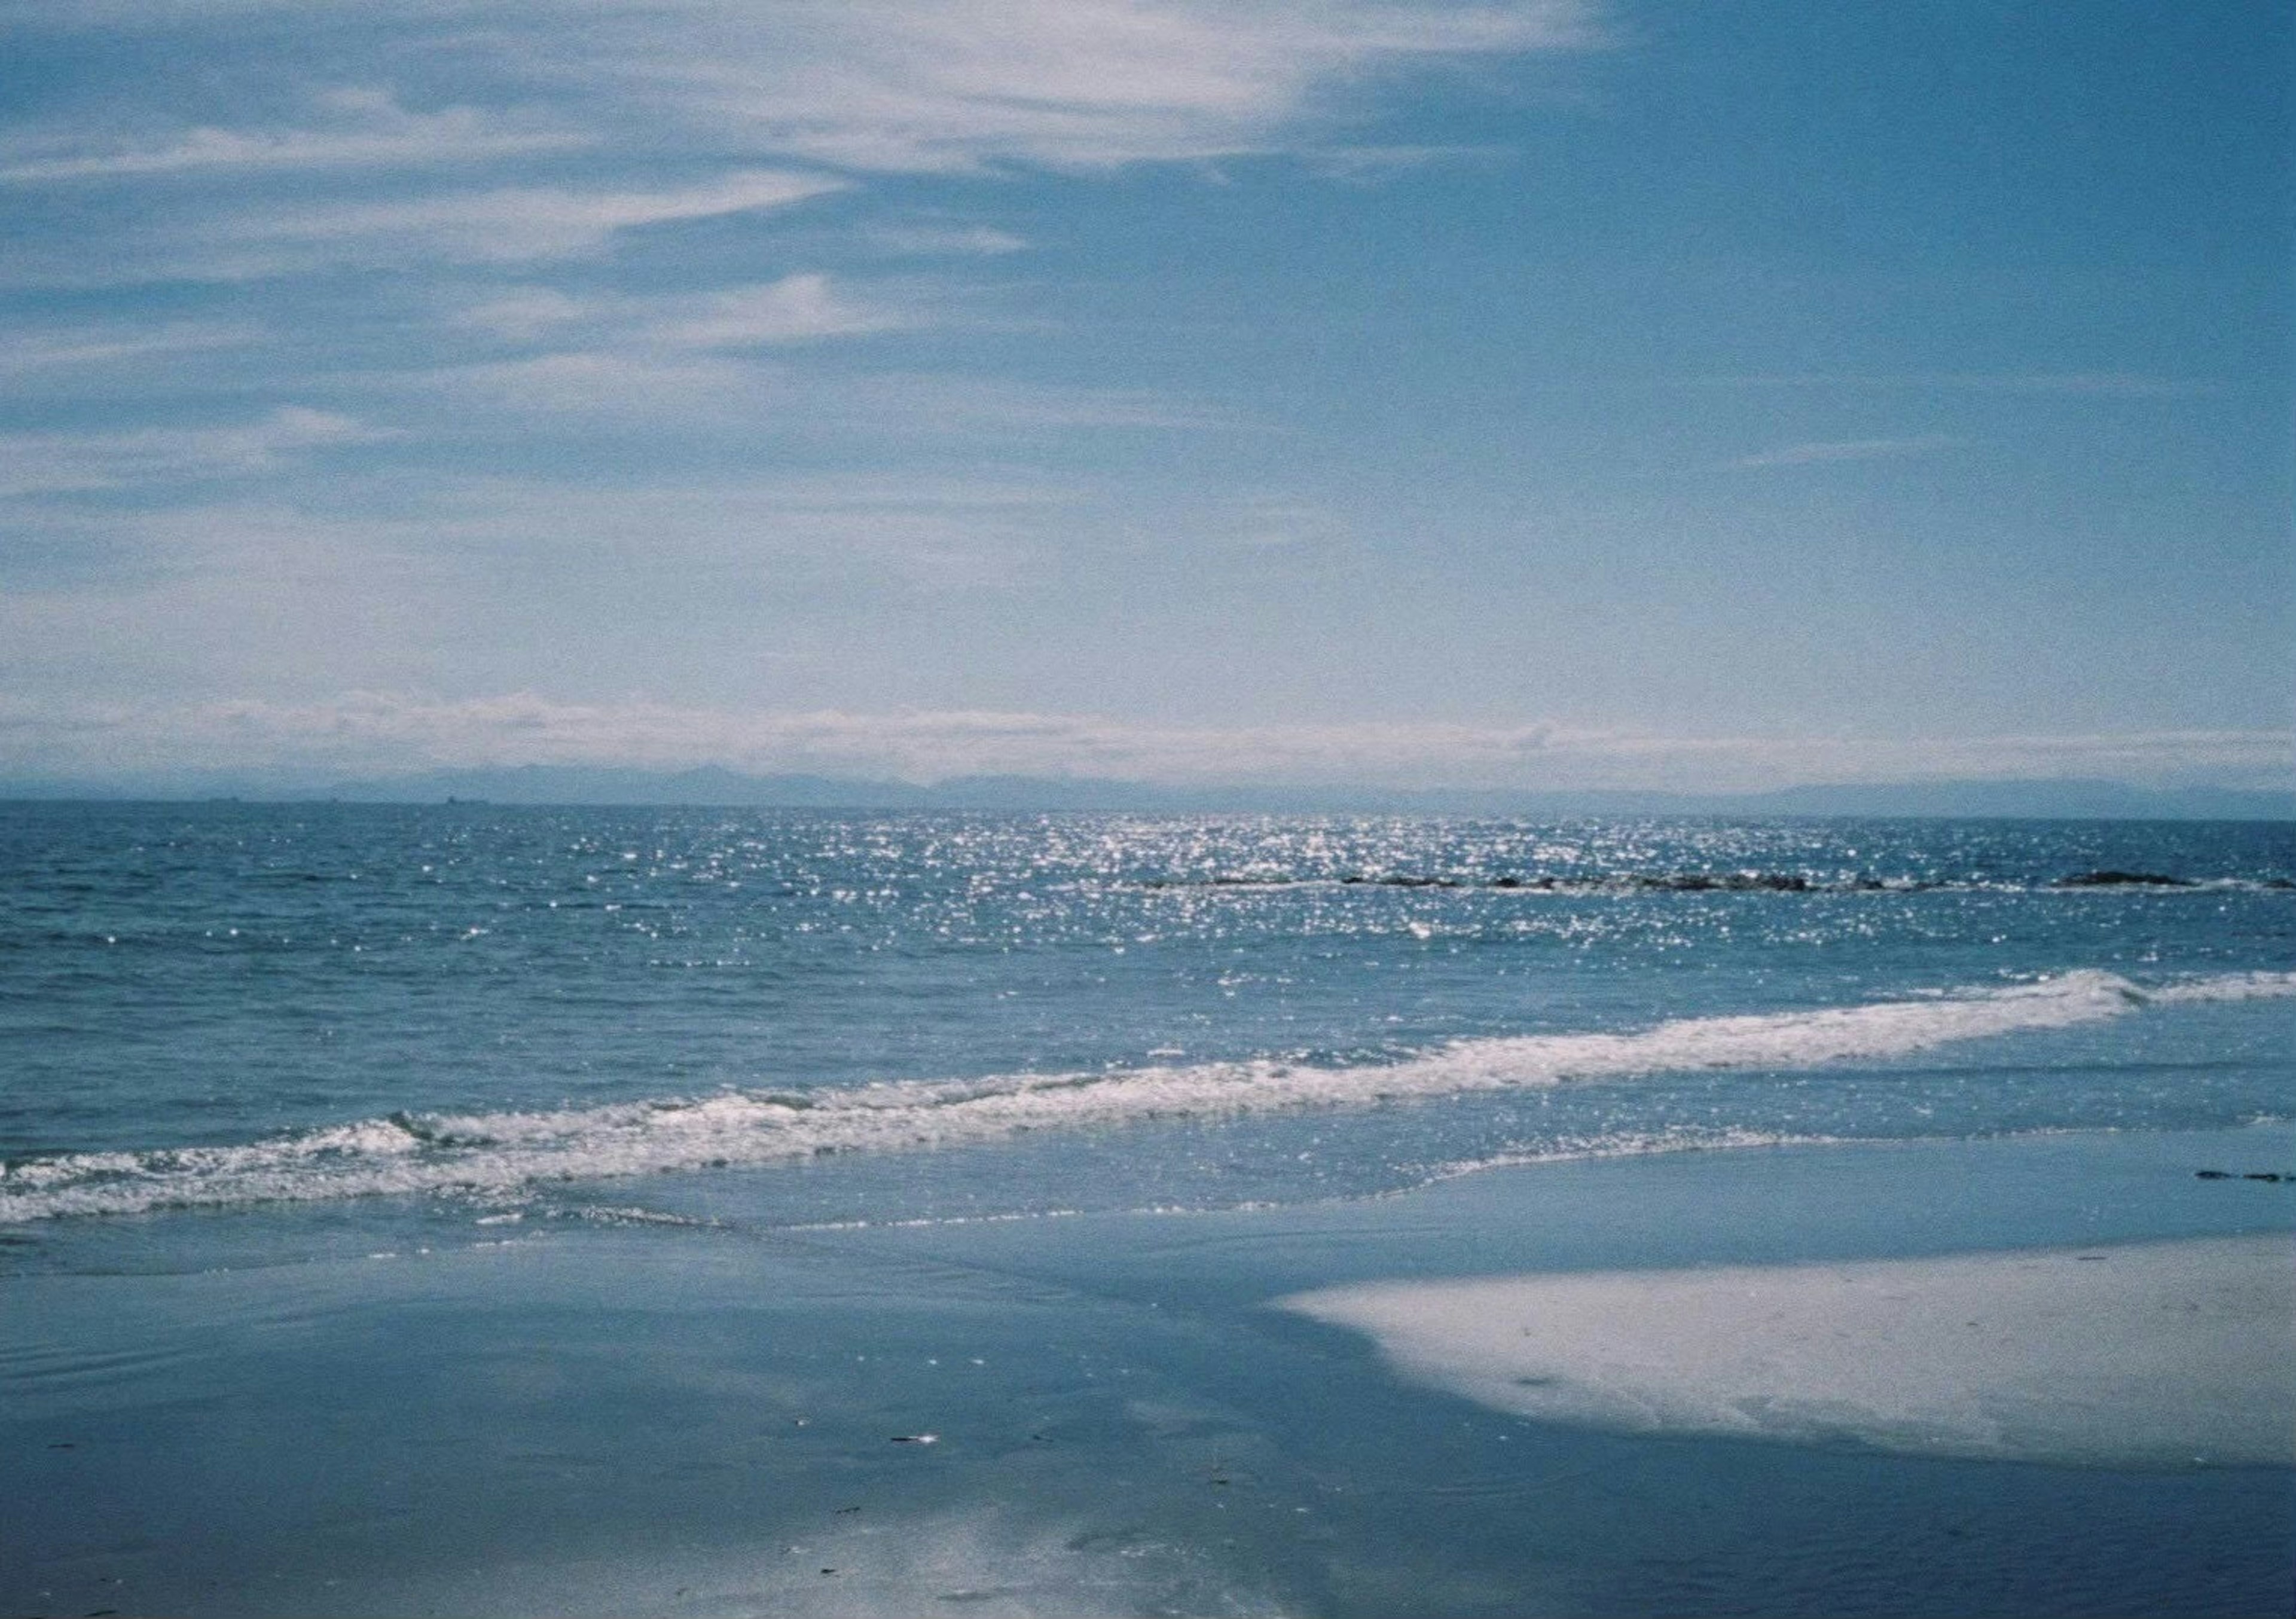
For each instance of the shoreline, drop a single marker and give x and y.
(701, 1420)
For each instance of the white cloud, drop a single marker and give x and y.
(1369, 164)
(913, 531)
(474, 547)
(905, 85)
(360, 128)
(49, 463)
(2080, 384)
(860, 85)
(925, 85)
(522, 313)
(707, 359)
(958, 404)
(1824, 452)
(127, 14)
(794, 309)
(508, 225)
(599, 335)
(397, 731)
(89, 348)
(607, 383)
(945, 239)
(1281, 525)
(2076, 384)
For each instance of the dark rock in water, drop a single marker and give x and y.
(2212, 1174)
(2119, 879)
(1729, 882)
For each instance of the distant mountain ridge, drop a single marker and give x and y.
(715, 786)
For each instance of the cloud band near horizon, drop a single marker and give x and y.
(388, 734)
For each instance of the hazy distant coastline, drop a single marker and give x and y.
(711, 786)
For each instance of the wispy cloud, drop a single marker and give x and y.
(795, 309)
(798, 91)
(359, 127)
(512, 227)
(609, 383)
(897, 86)
(559, 545)
(798, 308)
(522, 313)
(907, 530)
(1371, 165)
(506, 226)
(938, 239)
(1270, 525)
(2079, 384)
(1825, 451)
(2071, 384)
(964, 404)
(618, 354)
(927, 86)
(52, 464)
(79, 349)
(693, 360)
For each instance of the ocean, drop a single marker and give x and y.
(242, 1044)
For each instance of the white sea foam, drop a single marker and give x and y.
(1629, 1144)
(2227, 986)
(410, 1152)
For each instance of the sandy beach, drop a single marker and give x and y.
(1730, 1409)
(2155, 1355)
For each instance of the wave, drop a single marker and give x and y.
(1628, 1144)
(494, 1152)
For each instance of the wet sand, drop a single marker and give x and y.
(723, 1419)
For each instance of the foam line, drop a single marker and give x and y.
(418, 1152)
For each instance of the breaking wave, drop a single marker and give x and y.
(495, 1152)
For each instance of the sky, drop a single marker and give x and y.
(1549, 394)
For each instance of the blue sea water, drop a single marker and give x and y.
(488, 1210)
(251, 1030)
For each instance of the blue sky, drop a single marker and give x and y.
(1548, 394)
